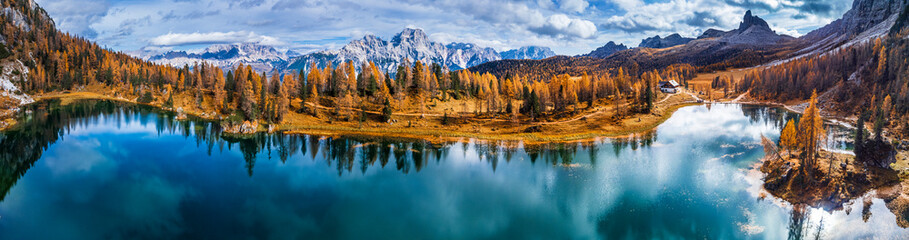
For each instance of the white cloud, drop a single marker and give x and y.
(564, 26)
(76, 16)
(567, 26)
(179, 39)
(573, 5)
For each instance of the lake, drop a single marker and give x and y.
(108, 170)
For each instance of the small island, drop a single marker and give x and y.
(800, 172)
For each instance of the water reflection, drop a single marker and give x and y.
(185, 179)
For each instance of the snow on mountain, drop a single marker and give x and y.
(14, 71)
(531, 52)
(260, 57)
(412, 44)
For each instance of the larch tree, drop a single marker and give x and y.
(218, 90)
(247, 98)
(811, 132)
(282, 102)
(314, 99)
(788, 136)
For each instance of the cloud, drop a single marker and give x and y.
(567, 26)
(76, 16)
(822, 7)
(180, 39)
(561, 25)
(703, 19)
(573, 5)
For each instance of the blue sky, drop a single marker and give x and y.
(567, 26)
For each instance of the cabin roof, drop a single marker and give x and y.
(670, 83)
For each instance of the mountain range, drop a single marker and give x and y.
(670, 41)
(753, 43)
(412, 44)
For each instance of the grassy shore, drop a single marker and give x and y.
(435, 134)
(581, 125)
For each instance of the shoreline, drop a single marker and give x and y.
(433, 135)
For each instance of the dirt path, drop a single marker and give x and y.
(696, 98)
(738, 99)
(667, 97)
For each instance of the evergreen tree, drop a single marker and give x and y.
(386, 110)
(649, 95)
(879, 124)
(170, 100)
(860, 134)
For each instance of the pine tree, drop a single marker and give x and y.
(860, 135)
(170, 100)
(649, 95)
(386, 110)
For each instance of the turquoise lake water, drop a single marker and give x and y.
(106, 170)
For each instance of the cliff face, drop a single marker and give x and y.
(865, 15)
(753, 30)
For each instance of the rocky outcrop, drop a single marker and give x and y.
(246, 127)
(752, 30)
(711, 33)
(531, 52)
(669, 41)
(606, 50)
(864, 15)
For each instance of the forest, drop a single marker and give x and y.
(867, 79)
(869, 75)
(60, 62)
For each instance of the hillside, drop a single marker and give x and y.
(751, 44)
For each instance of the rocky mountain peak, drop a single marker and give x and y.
(670, 41)
(410, 35)
(606, 50)
(752, 21)
(529, 52)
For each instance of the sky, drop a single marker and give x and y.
(569, 27)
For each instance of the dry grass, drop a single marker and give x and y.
(701, 84)
(583, 124)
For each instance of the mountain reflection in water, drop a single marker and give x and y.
(101, 169)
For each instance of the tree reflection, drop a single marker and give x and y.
(42, 124)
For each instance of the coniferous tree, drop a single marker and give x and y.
(859, 141)
(386, 110)
(811, 132)
(282, 103)
(788, 137)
